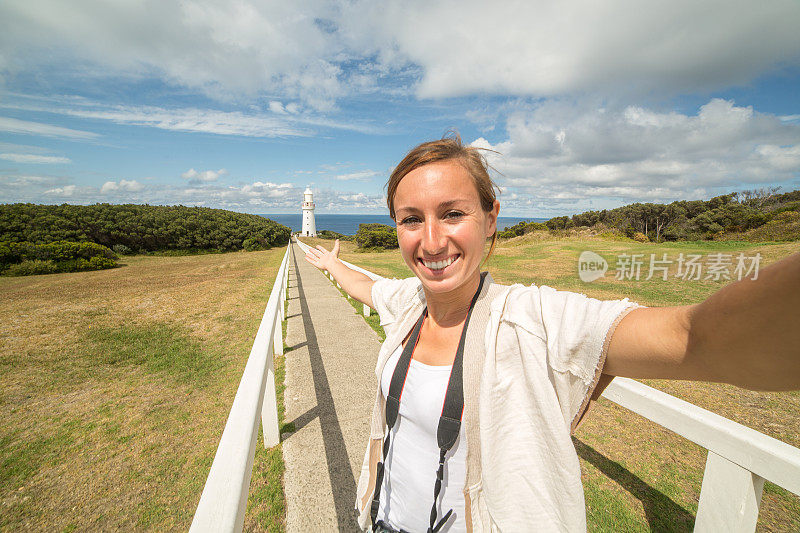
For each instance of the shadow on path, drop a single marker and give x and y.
(342, 481)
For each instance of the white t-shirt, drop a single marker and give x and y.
(413, 458)
(543, 353)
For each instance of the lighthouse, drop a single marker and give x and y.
(309, 224)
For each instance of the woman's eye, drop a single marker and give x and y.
(410, 220)
(454, 214)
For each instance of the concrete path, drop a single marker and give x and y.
(330, 390)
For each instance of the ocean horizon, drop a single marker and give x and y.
(348, 224)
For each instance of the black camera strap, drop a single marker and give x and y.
(449, 421)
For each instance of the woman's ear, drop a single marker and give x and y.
(492, 219)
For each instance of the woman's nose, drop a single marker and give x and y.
(433, 240)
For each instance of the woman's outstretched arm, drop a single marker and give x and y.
(746, 334)
(356, 284)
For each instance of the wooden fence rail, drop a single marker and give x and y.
(224, 499)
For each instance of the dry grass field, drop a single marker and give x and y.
(116, 385)
(637, 475)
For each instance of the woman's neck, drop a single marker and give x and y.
(450, 309)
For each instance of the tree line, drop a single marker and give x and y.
(25, 258)
(684, 219)
(132, 228)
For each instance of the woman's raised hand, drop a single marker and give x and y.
(322, 258)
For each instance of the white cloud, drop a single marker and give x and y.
(259, 196)
(205, 176)
(357, 176)
(552, 48)
(67, 191)
(121, 186)
(194, 120)
(358, 197)
(218, 47)
(28, 187)
(32, 158)
(277, 107)
(30, 181)
(263, 190)
(13, 125)
(316, 52)
(563, 152)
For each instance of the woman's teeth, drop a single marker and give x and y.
(438, 265)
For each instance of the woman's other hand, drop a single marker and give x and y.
(353, 283)
(322, 258)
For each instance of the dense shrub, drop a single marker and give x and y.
(140, 228)
(25, 258)
(513, 231)
(521, 228)
(380, 236)
(785, 226)
(735, 214)
(789, 207)
(29, 268)
(559, 223)
(252, 245)
(328, 234)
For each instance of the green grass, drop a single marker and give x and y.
(22, 458)
(373, 319)
(159, 348)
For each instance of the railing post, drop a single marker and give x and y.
(269, 406)
(729, 497)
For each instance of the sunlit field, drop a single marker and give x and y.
(116, 385)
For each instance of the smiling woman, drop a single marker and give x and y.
(520, 365)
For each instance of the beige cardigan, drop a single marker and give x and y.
(546, 350)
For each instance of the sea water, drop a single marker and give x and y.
(348, 224)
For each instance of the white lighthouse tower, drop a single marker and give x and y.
(309, 224)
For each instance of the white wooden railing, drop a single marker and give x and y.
(739, 459)
(224, 499)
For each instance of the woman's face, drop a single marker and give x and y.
(441, 227)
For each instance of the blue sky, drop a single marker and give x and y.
(241, 105)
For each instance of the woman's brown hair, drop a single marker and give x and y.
(447, 148)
